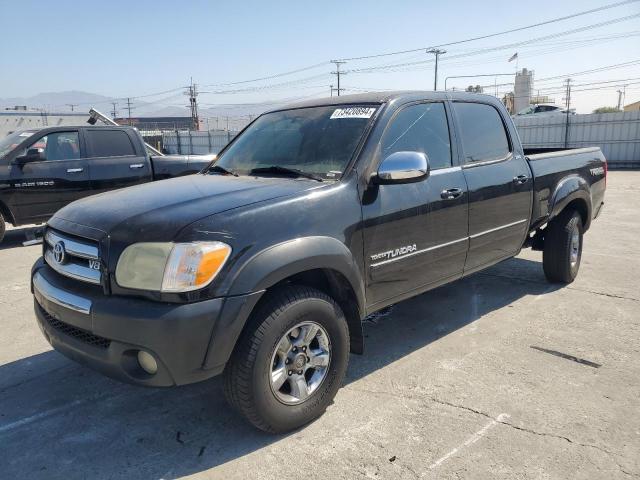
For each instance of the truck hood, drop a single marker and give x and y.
(157, 211)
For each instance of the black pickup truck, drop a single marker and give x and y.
(43, 170)
(263, 266)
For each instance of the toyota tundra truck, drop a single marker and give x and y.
(263, 266)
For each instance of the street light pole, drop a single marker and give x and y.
(437, 52)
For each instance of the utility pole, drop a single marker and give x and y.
(337, 73)
(567, 99)
(437, 52)
(331, 87)
(619, 99)
(72, 105)
(129, 108)
(192, 92)
(114, 112)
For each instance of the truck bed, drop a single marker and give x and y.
(582, 168)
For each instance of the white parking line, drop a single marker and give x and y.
(38, 416)
(471, 440)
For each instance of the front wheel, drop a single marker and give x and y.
(290, 361)
(3, 227)
(563, 247)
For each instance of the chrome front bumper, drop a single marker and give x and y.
(43, 289)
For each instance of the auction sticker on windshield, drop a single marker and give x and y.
(353, 112)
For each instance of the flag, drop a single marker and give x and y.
(513, 57)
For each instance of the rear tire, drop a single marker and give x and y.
(290, 360)
(3, 227)
(563, 247)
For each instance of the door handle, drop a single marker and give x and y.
(75, 170)
(451, 193)
(520, 179)
(136, 165)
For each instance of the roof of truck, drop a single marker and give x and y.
(384, 97)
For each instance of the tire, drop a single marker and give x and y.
(3, 227)
(563, 247)
(280, 322)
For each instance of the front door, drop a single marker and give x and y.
(499, 182)
(42, 187)
(415, 235)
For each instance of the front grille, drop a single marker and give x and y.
(73, 257)
(77, 333)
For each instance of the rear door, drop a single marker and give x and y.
(115, 158)
(499, 182)
(42, 187)
(415, 234)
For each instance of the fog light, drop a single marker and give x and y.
(147, 362)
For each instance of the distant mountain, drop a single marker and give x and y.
(57, 101)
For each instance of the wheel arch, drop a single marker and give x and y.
(324, 263)
(574, 193)
(6, 213)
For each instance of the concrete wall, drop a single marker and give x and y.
(617, 134)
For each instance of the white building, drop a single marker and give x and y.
(522, 90)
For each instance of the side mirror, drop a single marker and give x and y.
(403, 167)
(32, 155)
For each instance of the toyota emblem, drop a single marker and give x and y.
(59, 254)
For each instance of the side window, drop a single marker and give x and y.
(420, 128)
(109, 143)
(482, 132)
(57, 146)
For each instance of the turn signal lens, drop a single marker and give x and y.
(193, 265)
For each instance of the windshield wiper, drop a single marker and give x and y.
(287, 171)
(221, 169)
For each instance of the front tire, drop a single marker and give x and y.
(3, 227)
(290, 361)
(563, 247)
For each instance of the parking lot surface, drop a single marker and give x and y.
(500, 375)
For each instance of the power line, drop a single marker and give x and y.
(500, 47)
(483, 37)
(269, 77)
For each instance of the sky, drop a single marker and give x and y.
(150, 49)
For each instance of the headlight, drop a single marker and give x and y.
(171, 267)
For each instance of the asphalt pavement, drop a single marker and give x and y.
(500, 375)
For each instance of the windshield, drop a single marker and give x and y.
(317, 140)
(9, 142)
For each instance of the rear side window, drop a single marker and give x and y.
(420, 128)
(109, 143)
(481, 131)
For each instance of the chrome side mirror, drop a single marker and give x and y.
(403, 167)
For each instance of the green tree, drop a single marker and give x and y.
(606, 110)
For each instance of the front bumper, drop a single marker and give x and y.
(106, 332)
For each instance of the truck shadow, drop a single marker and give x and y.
(60, 420)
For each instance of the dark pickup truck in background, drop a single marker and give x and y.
(43, 170)
(263, 266)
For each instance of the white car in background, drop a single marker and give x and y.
(545, 110)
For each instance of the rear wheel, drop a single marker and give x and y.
(290, 361)
(563, 247)
(3, 227)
